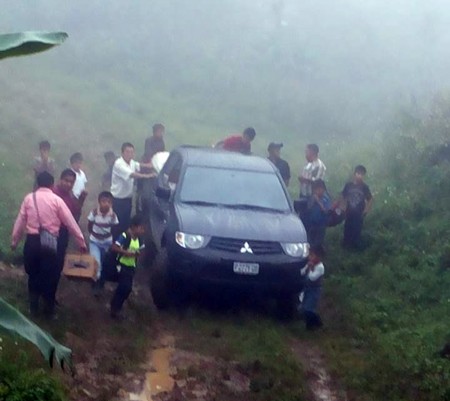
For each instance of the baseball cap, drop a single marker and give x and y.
(274, 145)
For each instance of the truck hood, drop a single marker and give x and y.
(248, 224)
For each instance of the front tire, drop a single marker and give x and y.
(159, 280)
(287, 305)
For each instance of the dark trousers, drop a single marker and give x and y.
(43, 274)
(122, 208)
(352, 230)
(312, 320)
(63, 243)
(316, 234)
(124, 287)
(302, 207)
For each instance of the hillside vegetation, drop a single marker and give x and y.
(390, 304)
(210, 73)
(387, 308)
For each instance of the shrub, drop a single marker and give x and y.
(19, 382)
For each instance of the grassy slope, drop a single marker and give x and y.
(393, 299)
(387, 310)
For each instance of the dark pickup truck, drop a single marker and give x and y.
(224, 219)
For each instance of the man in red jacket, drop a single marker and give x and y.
(64, 190)
(240, 143)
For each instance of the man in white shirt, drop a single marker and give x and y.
(313, 170)
(124, 171)
(79, 187)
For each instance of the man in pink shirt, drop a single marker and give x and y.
(40, 264)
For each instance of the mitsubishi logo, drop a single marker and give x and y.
(246, 248)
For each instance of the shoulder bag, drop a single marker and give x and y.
(49, 242)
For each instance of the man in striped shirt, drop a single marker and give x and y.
(313, 170)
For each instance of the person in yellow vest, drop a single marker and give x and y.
(128, 247)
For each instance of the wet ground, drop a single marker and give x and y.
(104, 357)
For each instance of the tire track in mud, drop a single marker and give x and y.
(174, 374)
(158, 378)
(320, 382)
(166, 381)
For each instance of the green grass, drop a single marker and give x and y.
(387, 310)
(19, 382)
(259, 344)
(115, 348)
(24, 375)
(393, 299)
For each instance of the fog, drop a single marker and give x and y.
(315, 67)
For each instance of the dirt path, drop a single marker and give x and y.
(320, 382)
(105, 351)
(178, 375)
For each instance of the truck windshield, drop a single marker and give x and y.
(233, 188)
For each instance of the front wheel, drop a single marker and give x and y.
(159, 280)
(287, 305)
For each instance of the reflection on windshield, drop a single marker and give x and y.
(233, 188)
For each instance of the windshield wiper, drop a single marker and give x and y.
(200, 203)
(256, 207)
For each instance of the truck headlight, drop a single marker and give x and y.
(190, 241)
(296, 249)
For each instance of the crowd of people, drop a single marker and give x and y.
(52, 212)
(317, 211)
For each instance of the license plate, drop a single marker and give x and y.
(246, 268)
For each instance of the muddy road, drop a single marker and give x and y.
(210, 350)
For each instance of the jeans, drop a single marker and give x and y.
(311, 298)
(309, 305)
(98, 251)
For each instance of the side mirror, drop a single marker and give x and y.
(163, 193)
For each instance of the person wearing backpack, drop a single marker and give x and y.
(317, 213)
(127, 246)
(100, 221)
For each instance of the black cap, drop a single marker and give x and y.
(273, 145)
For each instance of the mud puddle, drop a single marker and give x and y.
(175, 374)
(159, 379)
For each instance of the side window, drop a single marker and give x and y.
(168, 178)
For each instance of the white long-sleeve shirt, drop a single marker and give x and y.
(319, 271)
(122, 182)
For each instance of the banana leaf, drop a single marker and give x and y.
(13, 321)
(23, 43)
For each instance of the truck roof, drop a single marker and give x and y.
(219, 158)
